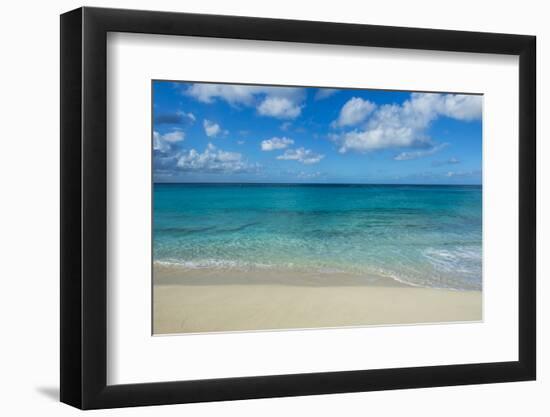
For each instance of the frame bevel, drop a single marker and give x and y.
(84, 222)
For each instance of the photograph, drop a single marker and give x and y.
(297, 207)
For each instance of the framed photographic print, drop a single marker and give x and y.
(331, 207)
(257, 208)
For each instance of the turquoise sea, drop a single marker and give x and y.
(422, 235)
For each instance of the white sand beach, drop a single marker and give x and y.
(210, 300)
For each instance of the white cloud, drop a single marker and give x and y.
(212, 160)
(305, 156)
(402, 126)
(308, 175)
(279, 107)
(430, 175)
(279, 102)
(462, 107)
(323, 93)
(233, 94)
(381, 137)
(162, 142)
(159, 144)
(406, 156)
(276, 143)
(211, 128)
(174, 136)
(450, 161)
(285, 126)
(354, 112)
(429, 106)
(463, 174)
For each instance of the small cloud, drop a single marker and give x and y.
(354, 112)
(159, 144)
(407, 156)
(323, 93)
(285, 126)
(461, 106)
(174, 136)
(240, 142)
(308, 175)
(473, 174)
(232, 94)
(211, 129)
(163, 142)
(279, 107)
(276, 143)
(213, 160)
(464, 174)
(305, 156)
(450, 161)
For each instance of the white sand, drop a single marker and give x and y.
(189, 301)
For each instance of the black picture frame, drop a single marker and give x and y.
(84, 207)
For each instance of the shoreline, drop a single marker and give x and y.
(210, 300)
(174, 274)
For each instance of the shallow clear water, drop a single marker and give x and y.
(426, 236)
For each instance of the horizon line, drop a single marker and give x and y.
(309, 183)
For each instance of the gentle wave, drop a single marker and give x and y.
(226, 264)
(212, 264)
(420, 280)
(462, 260)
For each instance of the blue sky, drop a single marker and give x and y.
(205, 132)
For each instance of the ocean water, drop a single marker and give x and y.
(428, 236)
